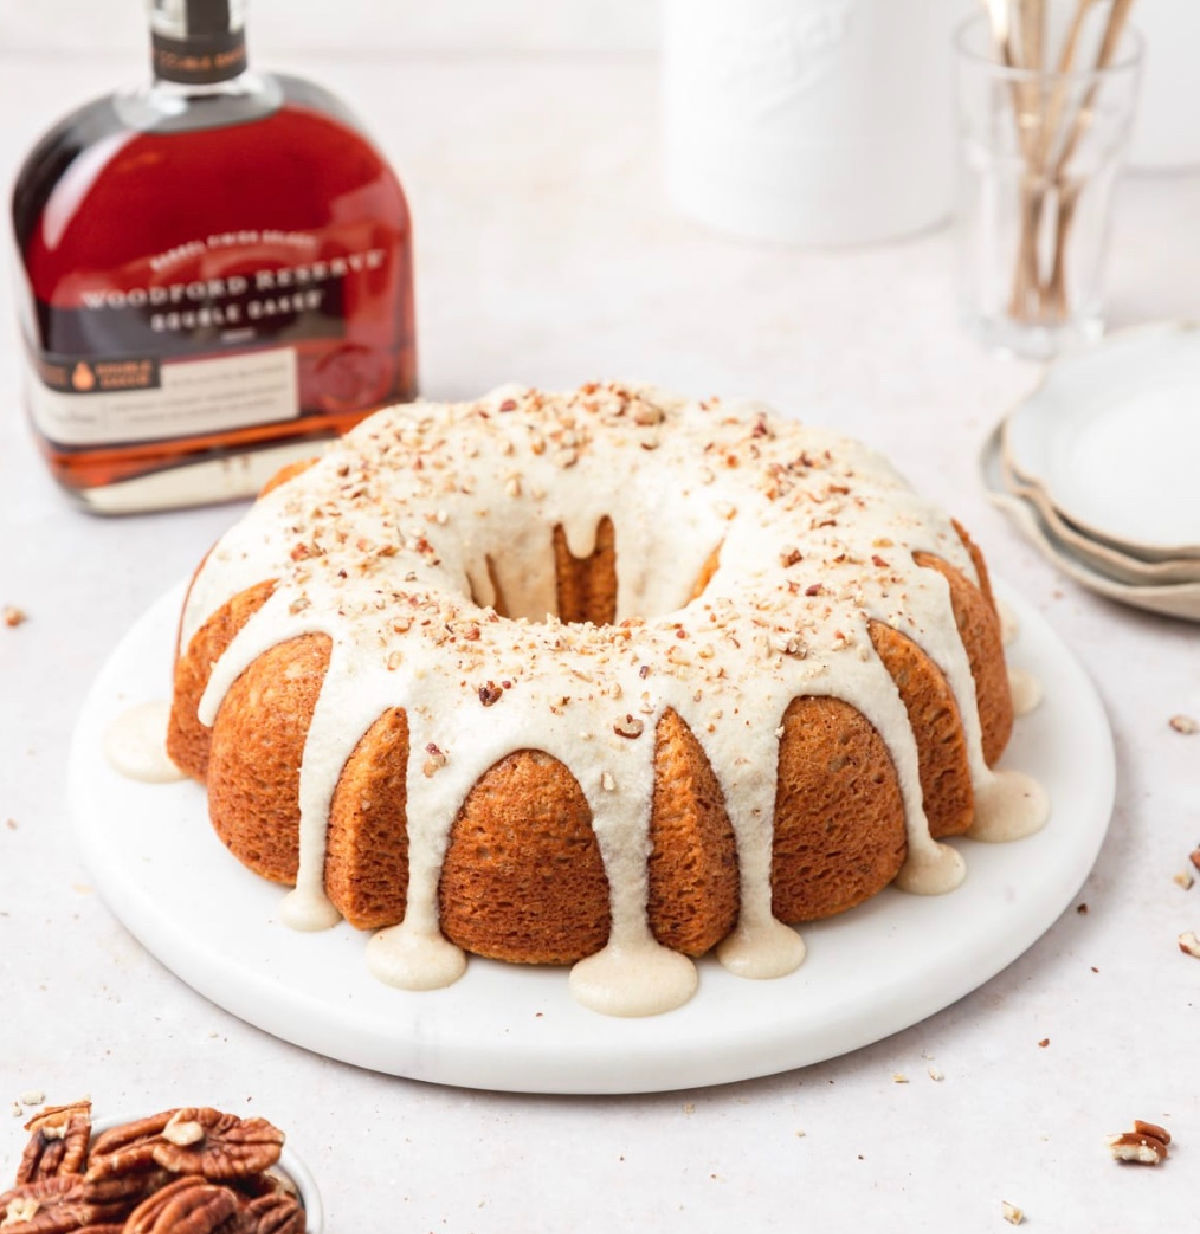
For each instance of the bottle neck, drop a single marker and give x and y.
(197, 42)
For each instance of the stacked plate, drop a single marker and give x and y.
(1100, 467)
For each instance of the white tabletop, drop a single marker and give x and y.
(547, 255)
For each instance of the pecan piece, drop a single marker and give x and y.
(274, 1214)
(1138, 1147)
(58, 1143)
(270, 1182)
(189, 1205)
(62, 1205)
(205, 1142)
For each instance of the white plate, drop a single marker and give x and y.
(1095, 554)
(1168, 599)
(1112, 436)
(869, 972)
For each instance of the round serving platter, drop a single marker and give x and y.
(869, 973)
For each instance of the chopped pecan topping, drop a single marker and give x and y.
(58, 1144)
(188, 1141)
(436, 760)
(273, 1214)
(189, 1205)
(629, 726)
(490, 693)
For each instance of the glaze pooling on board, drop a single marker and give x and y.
(380, 545)
(136, 744)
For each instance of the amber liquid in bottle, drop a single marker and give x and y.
(217, 276)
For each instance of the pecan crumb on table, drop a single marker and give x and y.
(1146, 1144)
(1011, 1213)
(14, 616)
(1184, 724)
(1189, 944)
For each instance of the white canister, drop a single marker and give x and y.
(1166, 132)
(811, 121)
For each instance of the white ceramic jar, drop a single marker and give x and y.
(820, 122)
(1166, 134)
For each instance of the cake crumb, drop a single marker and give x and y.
(32, 1097)
(1180, 723)
(16, 1110)
(11, 824)
(689, 1107)
(899, 1078)
(14, 617)
(1045, 1041)
(801, 1134)
(1189, 944)
(936, 1074)
(1081, 908)
(1011, 1213)
(1184, 879)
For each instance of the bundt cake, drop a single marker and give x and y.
(606, 678)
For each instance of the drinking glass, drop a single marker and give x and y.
(1039, 157)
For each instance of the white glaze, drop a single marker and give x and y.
(381, 543)
(135, 744)
(1010, 806)
(1009, 626)
(1026, 691)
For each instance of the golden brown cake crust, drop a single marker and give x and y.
(839, 816)
(257, 747)
(693, 870)
(933, 714)
(523, 879)
(587, 586)
(979, 629)
(366, 855)
(188, 740)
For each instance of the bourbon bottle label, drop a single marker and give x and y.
(78, 402)
(211, 335)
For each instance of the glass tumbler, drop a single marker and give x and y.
(1039, 156)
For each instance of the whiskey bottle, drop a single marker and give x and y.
(216, 275)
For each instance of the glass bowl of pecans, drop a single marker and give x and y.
(190, 1169)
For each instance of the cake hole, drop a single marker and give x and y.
(584, 588)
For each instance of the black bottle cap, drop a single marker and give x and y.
(197, 42)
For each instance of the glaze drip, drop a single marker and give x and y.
(135, 744)
(383, 543)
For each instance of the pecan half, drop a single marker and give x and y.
(64, 1205)
(58, 1143)
(1137, 1148)
(189, 1205)
(197, 1141)
(273, 1214)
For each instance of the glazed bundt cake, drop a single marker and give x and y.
(605, 678)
